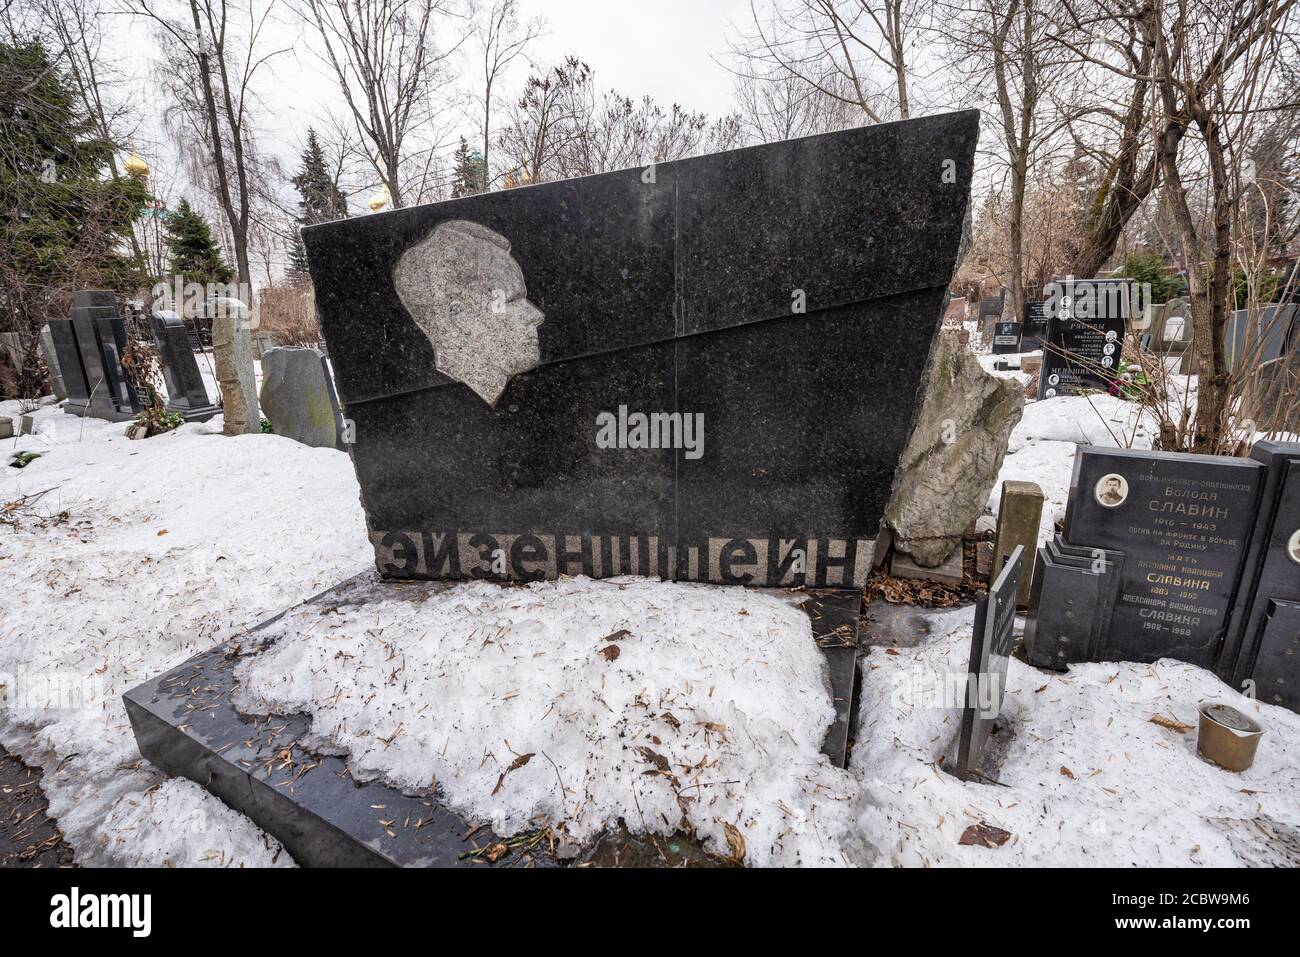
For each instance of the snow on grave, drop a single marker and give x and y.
(477, 456)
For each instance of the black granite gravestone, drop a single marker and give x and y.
(1006, 337)
(186, 393)
(71, 366)
(1264, 642)
(1086, 321)
(986, 679)
(674, 371)
(1071, 602)
(1034, 329)
(1183, 523)
(100, 337)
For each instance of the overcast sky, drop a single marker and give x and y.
(666, 49)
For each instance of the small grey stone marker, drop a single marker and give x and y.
(1019, 516)
(298, 397)
(57, 385)
(6, 427)
(232, 347)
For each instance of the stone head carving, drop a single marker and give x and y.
(466, 293)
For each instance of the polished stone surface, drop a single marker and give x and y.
(990, 652)
(262, 766)
(780, 296)
(97, 334)
(1084, 342)
(186, 392)
(76, 388)
(1183, 523)
(1006, 337)
(1254, 648)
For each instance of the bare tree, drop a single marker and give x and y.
(837, 48)
(775, 105)
(502, 39)
(388, 67)
(1002, 56)
(563, 127)
(219, 40)
(1212, 69)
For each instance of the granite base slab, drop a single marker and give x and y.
(186, 723)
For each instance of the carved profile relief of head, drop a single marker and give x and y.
(466, 293)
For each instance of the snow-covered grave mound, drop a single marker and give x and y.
(578, 704)
(1085, 777)
(120, 560)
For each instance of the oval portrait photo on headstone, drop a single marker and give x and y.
(1293, 546)
(1111, 490)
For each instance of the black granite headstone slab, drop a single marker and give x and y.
(1254, 648)
(673, 371)
(186, 724)
(101, 339)
(1086, 321)
(986, 679)
(1183, 523)
(1277, 667)
(70, 364)
(1006, 337)
(186, 393)
(1034, 330)
(1070, 610)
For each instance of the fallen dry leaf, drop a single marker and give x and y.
(495, 852)
(610, 652)
(515, 765)
(736, 842)
(984, 834)
(1067, 773)
(653, 757)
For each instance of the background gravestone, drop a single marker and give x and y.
(51, 356)
(1006, 337)
(990, 652)
(298, 397)
(1085, 336)
(70, 365)
(786, 293)
(1034, 327)
(186, 392)
(92, 342)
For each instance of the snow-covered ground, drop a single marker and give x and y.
(125, 558)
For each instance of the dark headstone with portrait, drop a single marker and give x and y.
(530, 364)
(1006, 337)
(1174, 555)
(1086, 322)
